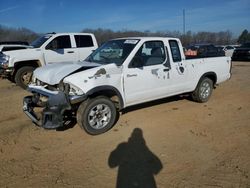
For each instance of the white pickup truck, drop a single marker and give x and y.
(121, 73)
(18, 65)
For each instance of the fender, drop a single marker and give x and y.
(211, 75)
(107, 88)
(33, 63)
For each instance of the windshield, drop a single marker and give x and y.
(39, 42)
(114, 51)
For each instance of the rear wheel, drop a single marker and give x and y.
(23, 76)
(203, 91)
(97, 115)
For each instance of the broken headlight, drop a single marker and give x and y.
(74, 90)
(70, 89)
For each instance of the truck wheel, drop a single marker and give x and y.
(97, 115)
(23, 76)
(203, 90)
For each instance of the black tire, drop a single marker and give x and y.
(23, 76)
(89, 117)
(203, 90)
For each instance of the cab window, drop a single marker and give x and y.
(60, 42)
(150, 53)
(175, 51)
(83, 41)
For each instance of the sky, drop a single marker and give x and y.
(44, 16)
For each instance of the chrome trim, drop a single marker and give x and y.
(41, 90)
(29, 112)
(76, 99)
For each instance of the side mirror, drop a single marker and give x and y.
(137, 62)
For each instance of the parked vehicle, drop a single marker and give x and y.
(228, 49)
(15, 42)
(10, 47)
(203, 50)
(13, 45)
(133, 71)
(18, 65)
(242, 53)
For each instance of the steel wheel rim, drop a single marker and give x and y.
(205, 90)
(27, 77)
(99, 116)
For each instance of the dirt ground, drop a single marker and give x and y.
(169, 143)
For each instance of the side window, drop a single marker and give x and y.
(60, 42)
(83, 41)
(150, 53)
(175, 51)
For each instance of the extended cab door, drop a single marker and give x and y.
(85, 45)
(60, 50)
(179, 73)
(147, 76)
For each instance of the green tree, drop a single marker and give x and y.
(244, 37)
(17, 34)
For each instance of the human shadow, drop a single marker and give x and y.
(136, 164)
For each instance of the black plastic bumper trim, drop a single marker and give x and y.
(53, 110)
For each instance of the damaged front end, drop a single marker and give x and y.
(47, 108)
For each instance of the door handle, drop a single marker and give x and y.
(70, 52)
(166, 69)
(182, 69)
(131, 75)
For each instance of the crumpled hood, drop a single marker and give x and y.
(53, 73)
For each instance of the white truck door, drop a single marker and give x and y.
(147, 76)
(179, 72)
(85, 45)
(60, 50)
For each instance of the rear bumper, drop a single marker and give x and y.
(52, 111)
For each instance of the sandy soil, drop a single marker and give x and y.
(169, 143)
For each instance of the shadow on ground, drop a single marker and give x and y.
(136, 164)
(156, 102)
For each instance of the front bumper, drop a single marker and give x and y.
(5, 73)
(5, 70)
(52, 110)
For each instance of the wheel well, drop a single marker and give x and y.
(32, 63)
(114, 95)
(210, 75)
